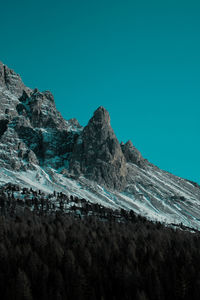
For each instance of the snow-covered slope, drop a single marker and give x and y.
(39, 149)
(153, 193)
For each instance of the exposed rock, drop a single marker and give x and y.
(12, 81)
(41, 111)
(30, 118)
(10, 148)
(132, 154)
(33, 132)
(74, 122)
(66, 157)
(98, 154)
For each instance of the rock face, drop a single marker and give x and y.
(97, 153)
(132, 154)
(11, 81)
(33, 133)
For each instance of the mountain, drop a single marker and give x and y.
(40, 149)
(98, 154)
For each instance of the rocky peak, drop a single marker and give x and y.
(74, 123)
(30, 118)
(98, 154)
(40, 109)
(12, 81)
(99, 129)
(39, 96)
(101, 116)
(129, 144)
(132, 154)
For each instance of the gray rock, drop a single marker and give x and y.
(31, 128)
(34, 136)
(12, 81)
(97, 153)
(74, 122)
(132, 154)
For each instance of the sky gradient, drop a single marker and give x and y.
(139, 59)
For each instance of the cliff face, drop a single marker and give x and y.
(11, 81)
(132, 154)
(97, 153)
(33, 132)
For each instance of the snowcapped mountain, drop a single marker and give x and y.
(39, 149)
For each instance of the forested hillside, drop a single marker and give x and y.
(98, 254)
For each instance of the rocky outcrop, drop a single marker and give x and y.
(132, 154)
(14, 153)
(97, 153)
(11, 81)
(33, 132)
(40, 109)
(30, 118)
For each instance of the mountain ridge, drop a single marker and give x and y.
(41, 149)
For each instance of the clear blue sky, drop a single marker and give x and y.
(139, 59)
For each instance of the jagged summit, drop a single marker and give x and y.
(101, 115)
(98, 154)
(33, 133)
(40, 149)
(11, 81)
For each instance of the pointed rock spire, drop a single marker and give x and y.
(101, 116)
(99, 156)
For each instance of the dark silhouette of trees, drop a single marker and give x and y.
(51, 251)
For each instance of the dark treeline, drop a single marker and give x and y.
(20, 202)
(62, 257)
(59, 247)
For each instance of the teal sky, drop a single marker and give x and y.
(139, 59)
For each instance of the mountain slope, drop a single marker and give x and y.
(38, 148)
